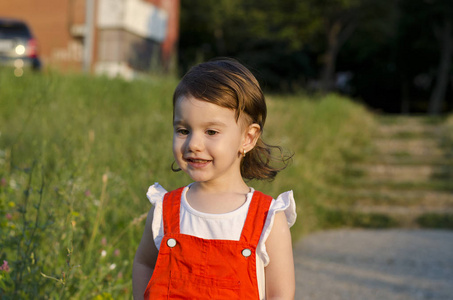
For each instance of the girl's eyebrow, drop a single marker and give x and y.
(214, 123)
(205, 124)
(177, 122)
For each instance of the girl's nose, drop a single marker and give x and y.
(194, 143)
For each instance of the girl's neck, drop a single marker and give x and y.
(239, 187)
(214, 199)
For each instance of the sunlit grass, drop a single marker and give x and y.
(78, 153)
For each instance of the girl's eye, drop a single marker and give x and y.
(211, 132)
(182, 131)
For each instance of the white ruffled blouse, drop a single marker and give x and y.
(226, 226)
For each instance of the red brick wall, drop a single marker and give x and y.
(51, 22)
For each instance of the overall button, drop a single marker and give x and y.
(246, 252)
(171, 243)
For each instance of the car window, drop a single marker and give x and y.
(14, 30)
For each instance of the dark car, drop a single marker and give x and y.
(18, 47)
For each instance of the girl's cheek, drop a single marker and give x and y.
(176, 147)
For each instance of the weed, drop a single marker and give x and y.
(332, 218)
(438, 221)
(23, 231)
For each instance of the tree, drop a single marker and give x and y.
(426, 48)
(267, 35)
(441, 21)
(339, 19)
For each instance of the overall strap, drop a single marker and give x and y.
(170, 211)
(256, 217)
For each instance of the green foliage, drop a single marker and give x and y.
(390, 47)
(333, 218)
(77, 154)
(24, 229)
(436, 221)
(448, 134)
(285, 40)
(269, 36)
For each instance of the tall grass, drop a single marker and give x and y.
(77, 154)
(448, 134)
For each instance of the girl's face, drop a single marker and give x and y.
(207, 141)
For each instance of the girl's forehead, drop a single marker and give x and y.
(188, 103)
(186, 107)
(191, 105)
(189, 100)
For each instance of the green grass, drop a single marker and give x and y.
(333, 218)
(447, 141)
(78, 153)
(429, 120)
(431, 185)
(406, 135)
(436, 221)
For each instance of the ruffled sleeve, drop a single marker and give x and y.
(284, 202)
(155, 195)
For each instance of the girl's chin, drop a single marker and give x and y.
(199, 177)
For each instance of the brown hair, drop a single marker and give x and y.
(229, 84)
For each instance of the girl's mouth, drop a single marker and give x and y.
(197, 163)
(198, 160)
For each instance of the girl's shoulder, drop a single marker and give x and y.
(285, 203)
(156, 193)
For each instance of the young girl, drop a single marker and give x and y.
(217, 238)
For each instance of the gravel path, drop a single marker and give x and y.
(375, 264)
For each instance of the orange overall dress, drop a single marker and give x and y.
(189, 267)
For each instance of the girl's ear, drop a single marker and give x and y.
(251, 136)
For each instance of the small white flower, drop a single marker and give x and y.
(13, 184)
(112, 266)
(103, 253)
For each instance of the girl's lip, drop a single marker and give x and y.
(197, 162)
(195, 159)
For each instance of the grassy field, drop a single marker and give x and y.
(77, 155)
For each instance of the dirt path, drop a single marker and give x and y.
(375, 265)
(409, 179)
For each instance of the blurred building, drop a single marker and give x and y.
(117, 37)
